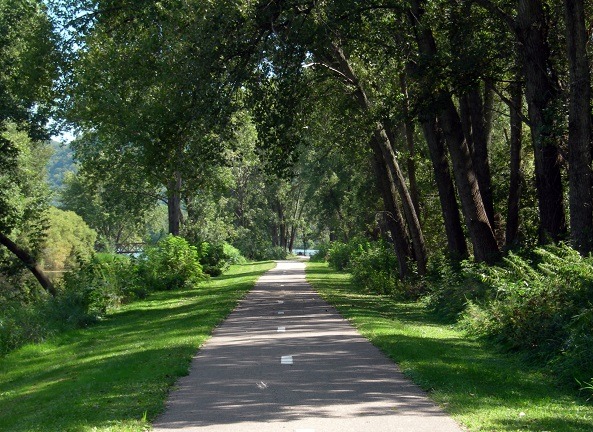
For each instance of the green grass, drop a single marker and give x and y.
(482, 389)
(115, 376)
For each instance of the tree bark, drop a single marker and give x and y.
(174, 203)
(542, 93)
(579, 129)
(456, 243)
(480, 150)
(394, 218)
(481, 233)
(27, 259)
(516, 176)
(409, 131)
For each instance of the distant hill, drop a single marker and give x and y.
(61, 162)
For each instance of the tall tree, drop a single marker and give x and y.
(579, 128)
(29, 64)
(531, 27)
(481, 233)
(149, 76)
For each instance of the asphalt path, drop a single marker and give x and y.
(285, 360)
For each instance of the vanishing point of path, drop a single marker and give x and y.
(285, 360)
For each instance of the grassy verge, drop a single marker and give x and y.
(483, 390)
(115, 376)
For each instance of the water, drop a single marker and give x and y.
(306, 252)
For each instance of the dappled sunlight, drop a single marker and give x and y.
(124, 364)
(484, 389)
(332, 374)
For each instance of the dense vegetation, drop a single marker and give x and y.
(439, 150)
(483, 389)
(536, 303)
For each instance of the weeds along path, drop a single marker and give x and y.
(286, 360)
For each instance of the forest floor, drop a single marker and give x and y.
(482, 389)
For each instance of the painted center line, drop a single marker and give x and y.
(280, 301)
(281, 329)
(286, 360)
(280, 312)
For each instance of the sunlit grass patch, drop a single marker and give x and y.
(480, 388)
(115, 376)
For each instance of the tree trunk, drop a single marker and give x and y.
(382, 139)
(488, 109)
(30, 262)
(409, 131)
(579, 129)
(456, 243)
(516, 177)
(394, 219)
(282, 224)
(480, 150)
(174, 203)
(542, 94)
(481, 233)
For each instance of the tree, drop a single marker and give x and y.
(24, 199)
(531, 26)
(109, 191)
(148, 76)
(579, 128)
(28, 62)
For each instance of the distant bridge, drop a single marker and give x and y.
(129, 248)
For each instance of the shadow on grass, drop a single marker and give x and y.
(482, 387)
(344, 294)
(115, 372)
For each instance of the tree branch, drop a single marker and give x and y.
(498, 12)
(26, 258)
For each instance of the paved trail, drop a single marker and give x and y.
(284, 360)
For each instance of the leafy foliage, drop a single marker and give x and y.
(69, 240)
(172, 264)
(538, 303)
(375, 269)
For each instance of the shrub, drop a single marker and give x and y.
(69, 240)
(85, 294)
(375, 269)
(171, 264)
(340, 255)
(213, 259)
(451, 285)
(101, 284)
(234, 255)
(539, 303)
(21, 324)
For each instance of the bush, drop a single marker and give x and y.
(172, 264)
(340, 255)
(375, 269)
(84, 296)
(451, 285)
(69, 240)
(538, 303)
(213, 259)
(234, 255)
(21, 324)
(100, 285)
